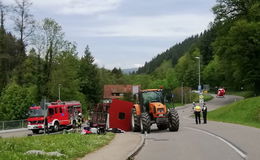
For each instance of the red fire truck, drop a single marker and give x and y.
(57, 115)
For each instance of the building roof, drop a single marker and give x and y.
(110, 89)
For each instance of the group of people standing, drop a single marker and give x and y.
(197, 110)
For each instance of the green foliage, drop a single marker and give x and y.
(232, 9)
(246, 112)
(239, 54)
(15, 101)
(72, 145)
(245, 94)
(89, 78)
(64, 74)
(173, 54)
(187, 69)
(213, 73)
(228, 51)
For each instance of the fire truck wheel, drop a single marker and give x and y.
(173, 120)
(35, 131)
(56, 127)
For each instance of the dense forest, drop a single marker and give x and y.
(36, 60)
(229, 50)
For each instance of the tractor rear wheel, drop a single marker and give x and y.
(173, 120)
(145, 123)
(135, 121)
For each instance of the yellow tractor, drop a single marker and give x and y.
(151, 108)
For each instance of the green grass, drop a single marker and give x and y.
(72, 145)
(207, 97)
(245, 94)
(245, 112)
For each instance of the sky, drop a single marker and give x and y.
(125, 33)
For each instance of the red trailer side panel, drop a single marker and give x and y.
(120, 114)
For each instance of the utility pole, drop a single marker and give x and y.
(44, 109)
(201, 98)
(59, 90)
(181, 92)
(199, 87)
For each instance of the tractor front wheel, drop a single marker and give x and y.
(135, 121)
(145, 123)
(173, 120)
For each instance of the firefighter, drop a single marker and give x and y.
(80, 120)
(197, 111)
(204, 113)
(46, 128)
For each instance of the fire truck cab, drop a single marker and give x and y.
(54, 116)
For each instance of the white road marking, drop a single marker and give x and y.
(222, 139)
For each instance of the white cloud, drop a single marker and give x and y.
(145, 26)
(137, 65)
(78, 7)
(74, 7)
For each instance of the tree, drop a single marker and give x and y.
(187, 68)
(49, 43)
(23, 20)
(89, 78)
(232, 9)
(65, 74)
(15, 101)
(214, 73)
(3, 11)
(238, 51)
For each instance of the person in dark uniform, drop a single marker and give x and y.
(204, 113)
(46, 128)
(197, 111)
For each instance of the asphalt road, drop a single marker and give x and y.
(211, 141)
(15, 133)
(21, 133)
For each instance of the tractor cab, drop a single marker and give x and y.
(151, 97)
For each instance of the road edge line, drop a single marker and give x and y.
(238, 150)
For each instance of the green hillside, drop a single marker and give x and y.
(228, 51)
(245, 112)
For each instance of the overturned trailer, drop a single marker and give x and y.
(113, 114)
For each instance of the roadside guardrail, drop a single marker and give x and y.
(14, 124)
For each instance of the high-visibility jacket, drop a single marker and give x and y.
(197, 109)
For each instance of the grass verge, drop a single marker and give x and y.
(245, 112)
(72, 145)
(245, 94)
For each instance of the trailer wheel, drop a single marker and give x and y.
(173, 120)
(145, 123)
(56, 127)
(135, 121)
